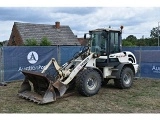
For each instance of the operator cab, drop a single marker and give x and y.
(105, 42)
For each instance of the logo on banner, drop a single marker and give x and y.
(32, 57)
(156, 69)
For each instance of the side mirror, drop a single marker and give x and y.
(86, 36)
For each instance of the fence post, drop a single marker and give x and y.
(59, 54)
(2, 83)
(0, 64)
(140, 55)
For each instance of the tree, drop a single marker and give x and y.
(1, 44)
(154, 32)
(126, 43)
(45, 42)
(31, 42)
(131, 40)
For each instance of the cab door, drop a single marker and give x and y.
(114, 42)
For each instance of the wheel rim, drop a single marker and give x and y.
(91, 83)
(127, 78)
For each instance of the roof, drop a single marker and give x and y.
(57, 36)
(106, 29)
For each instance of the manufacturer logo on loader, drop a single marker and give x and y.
(32, 57)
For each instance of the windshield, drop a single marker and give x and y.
(98, 43)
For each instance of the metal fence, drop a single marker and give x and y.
(1, 65)
(15, 59)
(148, 59)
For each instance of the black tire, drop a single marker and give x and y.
(72, 84)
(88, 82)
(126, 78)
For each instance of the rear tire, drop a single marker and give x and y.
(126, 78)
(88, 82)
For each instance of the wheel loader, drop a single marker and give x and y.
(100, 60)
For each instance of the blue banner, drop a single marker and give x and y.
(20, 58)
(151, 70)
(67, 52)
(149, 60)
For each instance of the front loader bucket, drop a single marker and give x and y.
(38, 87)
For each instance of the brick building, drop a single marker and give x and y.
(57, 34)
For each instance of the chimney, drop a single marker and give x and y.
(57, 24)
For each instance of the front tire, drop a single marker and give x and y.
(88, 82)
(126, 78)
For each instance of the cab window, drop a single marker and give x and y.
(114, 42)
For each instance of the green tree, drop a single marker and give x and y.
(45, 42)
(1, 44)
(126, 43)
(131, 40)
(31, 42)
(154, 36)
(154, 32)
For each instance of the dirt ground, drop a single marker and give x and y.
(142, 97)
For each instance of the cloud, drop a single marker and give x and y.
(22, 14)
(5, 31)
(136, 20)
(76, 10)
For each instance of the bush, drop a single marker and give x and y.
(31, 42)
(45, 42)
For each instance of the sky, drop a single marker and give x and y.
(137, 20)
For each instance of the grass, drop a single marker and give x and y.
(142, 97)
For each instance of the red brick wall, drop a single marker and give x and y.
(16, 36)
(82, 41)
